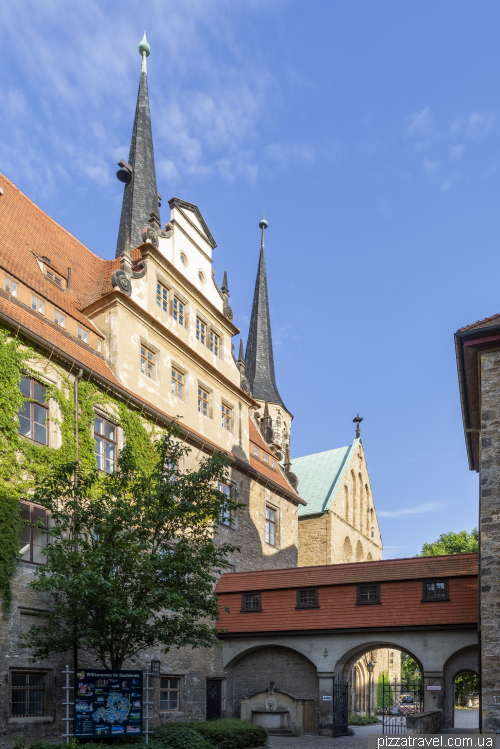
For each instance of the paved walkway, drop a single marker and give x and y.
(313, 741)
(467, 718)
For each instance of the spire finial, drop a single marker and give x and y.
(241, 356)
(357, 420)
(263, 225)
(224, 288)
(145, 51)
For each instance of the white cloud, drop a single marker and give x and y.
(419, 122)
(408, 511)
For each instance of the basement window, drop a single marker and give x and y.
(368, 593)
(435, 590)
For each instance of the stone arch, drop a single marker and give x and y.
(294, 674)
(465, 659)
(359, 552)
(354, 498)
(345, 662)
(346, 502)
(369, 557)
(347, 550)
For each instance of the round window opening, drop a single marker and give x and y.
(201, 276)
(184, 259)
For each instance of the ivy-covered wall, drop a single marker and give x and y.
(22, 461)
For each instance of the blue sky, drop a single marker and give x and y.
(370, 135)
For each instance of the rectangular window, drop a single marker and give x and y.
(99, 346)
(251, 601)
(34, 536)
(10, 286)
(307, 598)
(59, 318)
(53, 277)
(83, 334)
(265, 457)
(256, 450)
(105, 444)
(225, 516)
(162, 297)
(147, 363)
(203, 401)
(37, 304)
(270, 526)
(169, 693)
(435, 590)
(28, 692)
(273, 462)
(227, 417)
(33, 415)
(178, 311)
(177, 383)
(214, 343)
(201, 331)
(369, 593)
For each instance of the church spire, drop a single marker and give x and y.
(259, 360)
(139, 173)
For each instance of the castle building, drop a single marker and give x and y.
(153, 329)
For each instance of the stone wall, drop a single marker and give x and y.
(490, 538)
(293, 674)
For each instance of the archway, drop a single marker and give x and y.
(464, 661)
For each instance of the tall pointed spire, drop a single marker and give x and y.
(139, 173)
(259, 360)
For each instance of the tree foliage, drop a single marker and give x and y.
(132, 559)
(452, 543)
(408, 668)
(385, 697)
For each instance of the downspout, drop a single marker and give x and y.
(77, 468)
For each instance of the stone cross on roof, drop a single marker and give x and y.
(357, 420)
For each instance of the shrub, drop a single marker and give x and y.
(178, 735)
(232, 733)
(362, 720)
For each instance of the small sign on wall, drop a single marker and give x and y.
(434, 687)
(327, 697)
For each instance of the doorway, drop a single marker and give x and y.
(466, 700)
(214, 699)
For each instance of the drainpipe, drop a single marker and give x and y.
(77, 379)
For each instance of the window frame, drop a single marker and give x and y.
(271, 523)
(9, 282)
(360, 602)
(38, 304)
(32, 403)
(175, 379)
(84, 337)
(162, 298)
(214, 342)
(59, 318)
(176, 314)
(145, 358)
(226, 416)
(47, 692)
(314, 605)
(202, 330)
(230, 494)
(446, 597)
(168, 690)
(207, 392)
(32, 526)
(106, 421)
(244, 609)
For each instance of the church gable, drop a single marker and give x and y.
(320, 476)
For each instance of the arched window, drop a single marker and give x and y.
(347, 550)
(361, 504)
(369, 557)
(359, 552)
(354, 498)
(367, 493)
(346, 502)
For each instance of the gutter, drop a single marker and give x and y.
(464, 400)
(143, 406)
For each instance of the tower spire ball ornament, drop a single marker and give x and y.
(357, 420)
(145, 51)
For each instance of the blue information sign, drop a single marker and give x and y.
(108, 703)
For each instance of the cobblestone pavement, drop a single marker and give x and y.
(467, 718)
(313, 741)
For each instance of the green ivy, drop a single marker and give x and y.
(22, 463)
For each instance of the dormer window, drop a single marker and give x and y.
(54, 278)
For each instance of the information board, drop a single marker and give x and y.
(108, 703)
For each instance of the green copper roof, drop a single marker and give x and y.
(320, 476)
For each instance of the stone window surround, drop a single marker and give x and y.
(277, 524)
(233, 491)
(200, 384)
(164, 711)
(183, 371)
(99, 413)
(359, 602)
(154, 350)
(177, 295)
(446, 598)
(251, 593)
(308, 605)
(47, 696)
(229, 405)
(210, 328)
(48, 406)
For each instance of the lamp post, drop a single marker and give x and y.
(370, 668)
(155, 667)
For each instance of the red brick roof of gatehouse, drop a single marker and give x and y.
(400, 604)
(487, 322)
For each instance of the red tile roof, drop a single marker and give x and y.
(487, 322)
(277, 474)
(400, 606)
(451, 565)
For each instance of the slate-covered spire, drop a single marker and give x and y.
(259, 360)
(139, 173)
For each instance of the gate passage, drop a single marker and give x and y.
(400, 699)
(340, 707)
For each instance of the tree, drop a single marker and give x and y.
(385, 697)
(452, 543)
(408, 668)
(132, 560)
